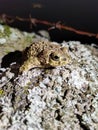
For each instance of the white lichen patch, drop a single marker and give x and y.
(2, 40)
(60, 98)
(77, 79)
(1, 28)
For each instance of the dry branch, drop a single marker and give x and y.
(33, 21)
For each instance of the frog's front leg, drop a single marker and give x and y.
(29, 64)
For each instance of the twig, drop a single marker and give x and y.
(33, 21)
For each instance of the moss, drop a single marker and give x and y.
(1, 92)
(6, 31)
(28, 38)
(26, 89)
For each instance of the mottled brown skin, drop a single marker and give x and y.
(44, 55)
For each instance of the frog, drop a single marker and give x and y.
(44, 54)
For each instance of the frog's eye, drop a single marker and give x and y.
(54, 57)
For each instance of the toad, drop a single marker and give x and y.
(44, 55)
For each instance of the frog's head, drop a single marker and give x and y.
(55, 57)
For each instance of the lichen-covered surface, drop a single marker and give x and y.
(61, 98)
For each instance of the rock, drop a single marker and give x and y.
(63, 98)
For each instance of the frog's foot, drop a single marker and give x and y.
(29, 64)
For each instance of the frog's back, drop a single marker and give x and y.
(36, 47)
(44, 55)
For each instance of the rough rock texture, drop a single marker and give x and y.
(61, 98)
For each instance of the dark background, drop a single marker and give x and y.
(80, 14)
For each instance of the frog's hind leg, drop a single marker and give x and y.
(29, 64)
